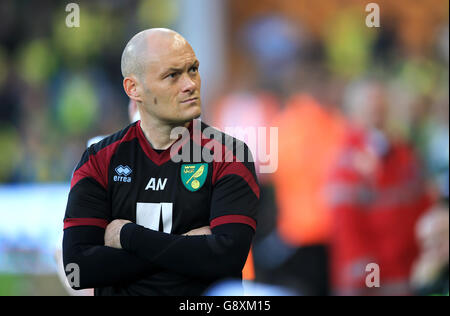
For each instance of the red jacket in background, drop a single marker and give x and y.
(376, 194)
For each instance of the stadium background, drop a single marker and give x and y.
(60, 86)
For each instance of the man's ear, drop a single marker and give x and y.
(130, 85)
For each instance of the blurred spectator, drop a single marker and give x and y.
(377, 193)
(309, 135)
(430, 274)
(274, 45)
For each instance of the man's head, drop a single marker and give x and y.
(365, 103)
(160, 73)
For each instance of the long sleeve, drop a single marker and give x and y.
(99, 265)
(85, 221)
(219, 255)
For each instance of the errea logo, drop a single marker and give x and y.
(123, 173)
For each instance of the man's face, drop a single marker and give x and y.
(373, 113)
(171, 84)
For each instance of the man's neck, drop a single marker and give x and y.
(158, 133)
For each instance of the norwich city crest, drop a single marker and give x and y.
(194, 176)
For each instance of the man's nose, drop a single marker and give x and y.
(188, 84)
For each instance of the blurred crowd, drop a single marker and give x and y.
(362, 117)
(363, 150)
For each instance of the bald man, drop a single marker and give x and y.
(131, 203)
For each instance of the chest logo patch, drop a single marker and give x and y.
(193, 176)
(123, 173)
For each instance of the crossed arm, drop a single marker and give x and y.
(126, 252)
(112, 232)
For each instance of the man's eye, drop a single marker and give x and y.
(194, 69)
(172, 75)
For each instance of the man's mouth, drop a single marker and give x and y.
(190, 100)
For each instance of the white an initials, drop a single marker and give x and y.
(156, 186)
